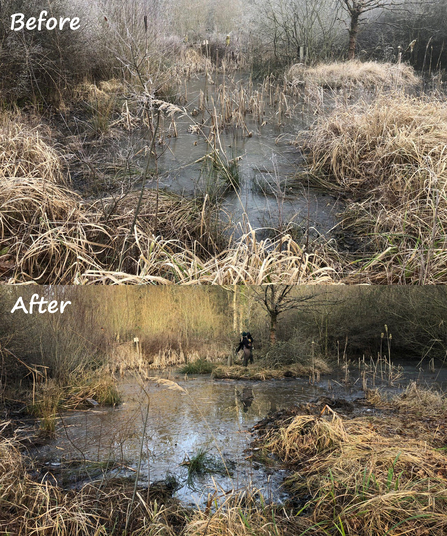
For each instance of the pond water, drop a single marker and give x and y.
(208, 415)
(267, 159)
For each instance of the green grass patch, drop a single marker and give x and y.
(203, 463)
(200, 366)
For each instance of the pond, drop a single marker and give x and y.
(206, 416)
(262, 147)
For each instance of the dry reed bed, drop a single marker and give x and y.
(248, 261)
(232, 101)
(390, 156)
(24, 151)
(355, 73)
(30, 507)
(364, 478)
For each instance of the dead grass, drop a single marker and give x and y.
(423, 402)
(239, 514)
(92, 92)
(166, 213)
(393, 142)
(105, 103)
(262, 371)
(44, 230)
(248, 261)
(24, 153)
(52, 397)
(390, 155)
(31, 507)
(192, 61)
(416, 413)
(362, 482)
(49, 235)
(369, 74)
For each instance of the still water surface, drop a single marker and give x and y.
(215, 415)
(268, 158)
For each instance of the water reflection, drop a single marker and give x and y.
(213, 415)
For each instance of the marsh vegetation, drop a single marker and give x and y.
(103, 430)
(162, 144)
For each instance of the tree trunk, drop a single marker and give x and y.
(353, 32)
(273, 324)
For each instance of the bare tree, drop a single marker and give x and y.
(277, 299)
(356, 9)
(286, 26)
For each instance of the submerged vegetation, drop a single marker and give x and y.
(204, 463)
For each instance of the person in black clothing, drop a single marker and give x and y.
(246, 344)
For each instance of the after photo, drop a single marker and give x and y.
(271, 411)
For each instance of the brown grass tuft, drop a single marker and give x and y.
(306, 436)
(395, 143)
(44, 230)
(369, 74)
(24, 153)
(192, 61)
(391, 156)
(422, 402)
(361, 482)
